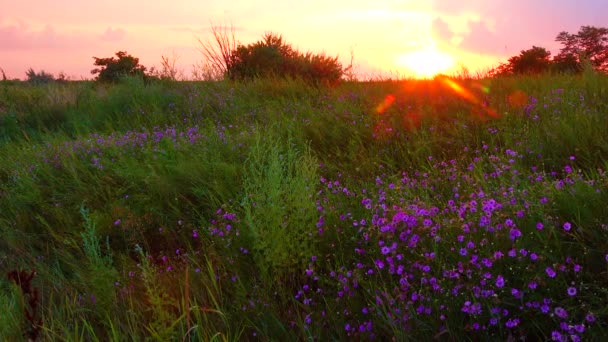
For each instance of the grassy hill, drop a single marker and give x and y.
(271, 210)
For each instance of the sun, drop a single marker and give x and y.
(426, 62)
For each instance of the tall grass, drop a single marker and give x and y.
(275, 210)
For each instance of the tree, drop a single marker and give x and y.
(502, 69)
(113, 69)
(532, 61)
(590, 43)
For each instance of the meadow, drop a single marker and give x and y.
(451, 209)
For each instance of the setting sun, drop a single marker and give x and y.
(426, 63)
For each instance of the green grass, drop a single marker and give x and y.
(274, 210)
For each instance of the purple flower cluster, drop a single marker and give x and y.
(468, 250)
(100, 150)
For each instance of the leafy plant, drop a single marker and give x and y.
(38, 78)
(112, 69)
(589, 43)
(272, 56)
(278, 207)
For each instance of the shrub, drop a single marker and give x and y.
(38, 78)
(271, 56)
(113, 69)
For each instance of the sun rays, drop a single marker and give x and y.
(427, 62)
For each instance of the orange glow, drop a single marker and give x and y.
(460, 90)
(483, 88)
(388, 101)
(384, 38)
(412, 120)
(427, 62)
(467, 95)
(518, 99)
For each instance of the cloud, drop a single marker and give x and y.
(482, 40)
(188, 29)
(113, 35)
(506, 27)
(441, 30)
(457, 7)
(21, 37)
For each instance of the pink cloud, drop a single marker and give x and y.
(482, 40)
(207, 29)
(441, 30)
(113, 35)
(20, 37)
(519, 24)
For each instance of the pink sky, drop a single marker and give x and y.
(403, 37)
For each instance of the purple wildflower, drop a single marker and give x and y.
(514, 234)
(500, 281)
(512, 323)
(556, 336)
(561, 312)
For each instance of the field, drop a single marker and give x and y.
(447, 209)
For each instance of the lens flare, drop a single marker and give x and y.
(412, 121)
(483, 88)
(467, 95)
(518, 99)
(388, 101)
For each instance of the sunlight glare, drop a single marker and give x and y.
(388, 101)
(467, 95)
(427, 62)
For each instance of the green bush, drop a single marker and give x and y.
(38, 78)
(279, 211)
(113, 69)
(271, 56)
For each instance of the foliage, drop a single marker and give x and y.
(41, 77)
(589, 43)
(466, 209)
(168, 69)
(271, 56)
(535, 60)
(532, 61)
(113, 69)
(217, 51)
(278, 210)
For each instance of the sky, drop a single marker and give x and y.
(407, 38)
